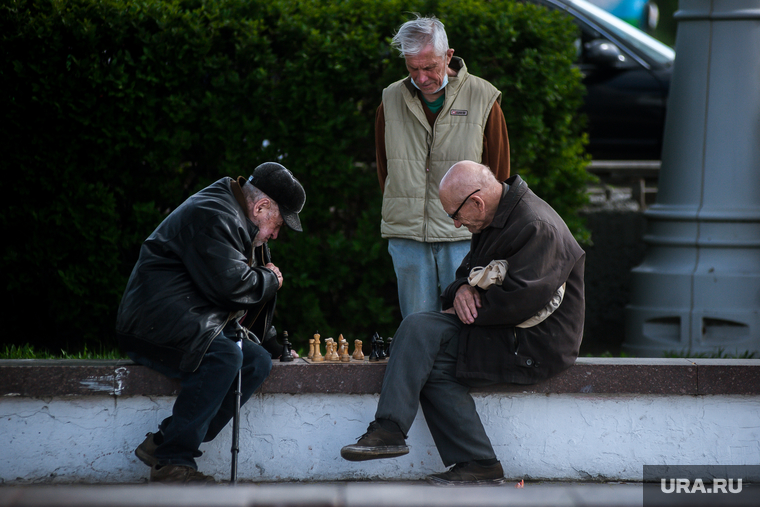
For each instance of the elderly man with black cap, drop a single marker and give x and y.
(203, 279)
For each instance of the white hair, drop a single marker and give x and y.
(415, 35)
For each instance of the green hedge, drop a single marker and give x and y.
(114, 111)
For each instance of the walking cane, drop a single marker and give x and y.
(241, 333)
(236, 417)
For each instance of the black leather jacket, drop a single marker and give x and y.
(196, 272)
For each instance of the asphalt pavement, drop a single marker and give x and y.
(336, 494)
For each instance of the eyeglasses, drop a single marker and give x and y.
(453, 216)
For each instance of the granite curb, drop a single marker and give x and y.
(56, 378)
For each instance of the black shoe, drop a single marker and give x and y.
(179, 474)
(469, 474)
(375, 444)
(147, 450)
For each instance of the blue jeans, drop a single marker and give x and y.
(423, 270)
(206, 401)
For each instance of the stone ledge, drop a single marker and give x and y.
(56, 378)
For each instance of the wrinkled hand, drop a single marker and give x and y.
(276, 271)
(466, 303)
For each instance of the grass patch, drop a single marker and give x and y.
(607, 353)
(718, 354)
(29, 352)
(684, 354)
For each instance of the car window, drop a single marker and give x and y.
(596, 23)
(631, 36)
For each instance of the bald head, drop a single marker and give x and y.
(470, 194)
(464, 175)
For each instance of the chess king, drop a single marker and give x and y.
(514, 314)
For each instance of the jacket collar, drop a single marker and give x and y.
(237, 191)
(513, 190)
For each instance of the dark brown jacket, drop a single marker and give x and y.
(542, 255)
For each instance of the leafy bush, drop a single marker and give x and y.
(115, 111)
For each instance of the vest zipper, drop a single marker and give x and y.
(427, 186)
(428, 163)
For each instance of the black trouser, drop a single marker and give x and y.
(206, 401)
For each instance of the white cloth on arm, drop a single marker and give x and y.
(494, 273)
(547, 310)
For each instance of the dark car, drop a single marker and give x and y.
(627, 77)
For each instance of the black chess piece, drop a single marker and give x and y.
(374, 355)
(381, 353)
(287, 354)
(388, 347)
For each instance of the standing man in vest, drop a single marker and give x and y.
(438, 115)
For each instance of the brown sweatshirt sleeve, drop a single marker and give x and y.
(380, 156)
(496, 144)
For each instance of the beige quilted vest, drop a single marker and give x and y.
(418, 155)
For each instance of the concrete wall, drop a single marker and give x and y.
(298, 437)
(600, 420)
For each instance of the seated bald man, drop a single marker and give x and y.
(514, 314)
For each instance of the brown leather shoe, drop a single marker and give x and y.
(147, 450)
(179, 474)
(377, 443)
(469, 474)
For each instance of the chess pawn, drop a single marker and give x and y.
(287, 354)
(335, 355)
(388, 347)
(327, 348)
(317, 357)
(328, 345)
(343, 350)
(358, 354)
(331, 354)
(311, 349)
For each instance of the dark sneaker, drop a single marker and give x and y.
(469, 474)
(147, 450)
(179, 474)
(375, 444)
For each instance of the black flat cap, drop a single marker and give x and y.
(278, 183)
